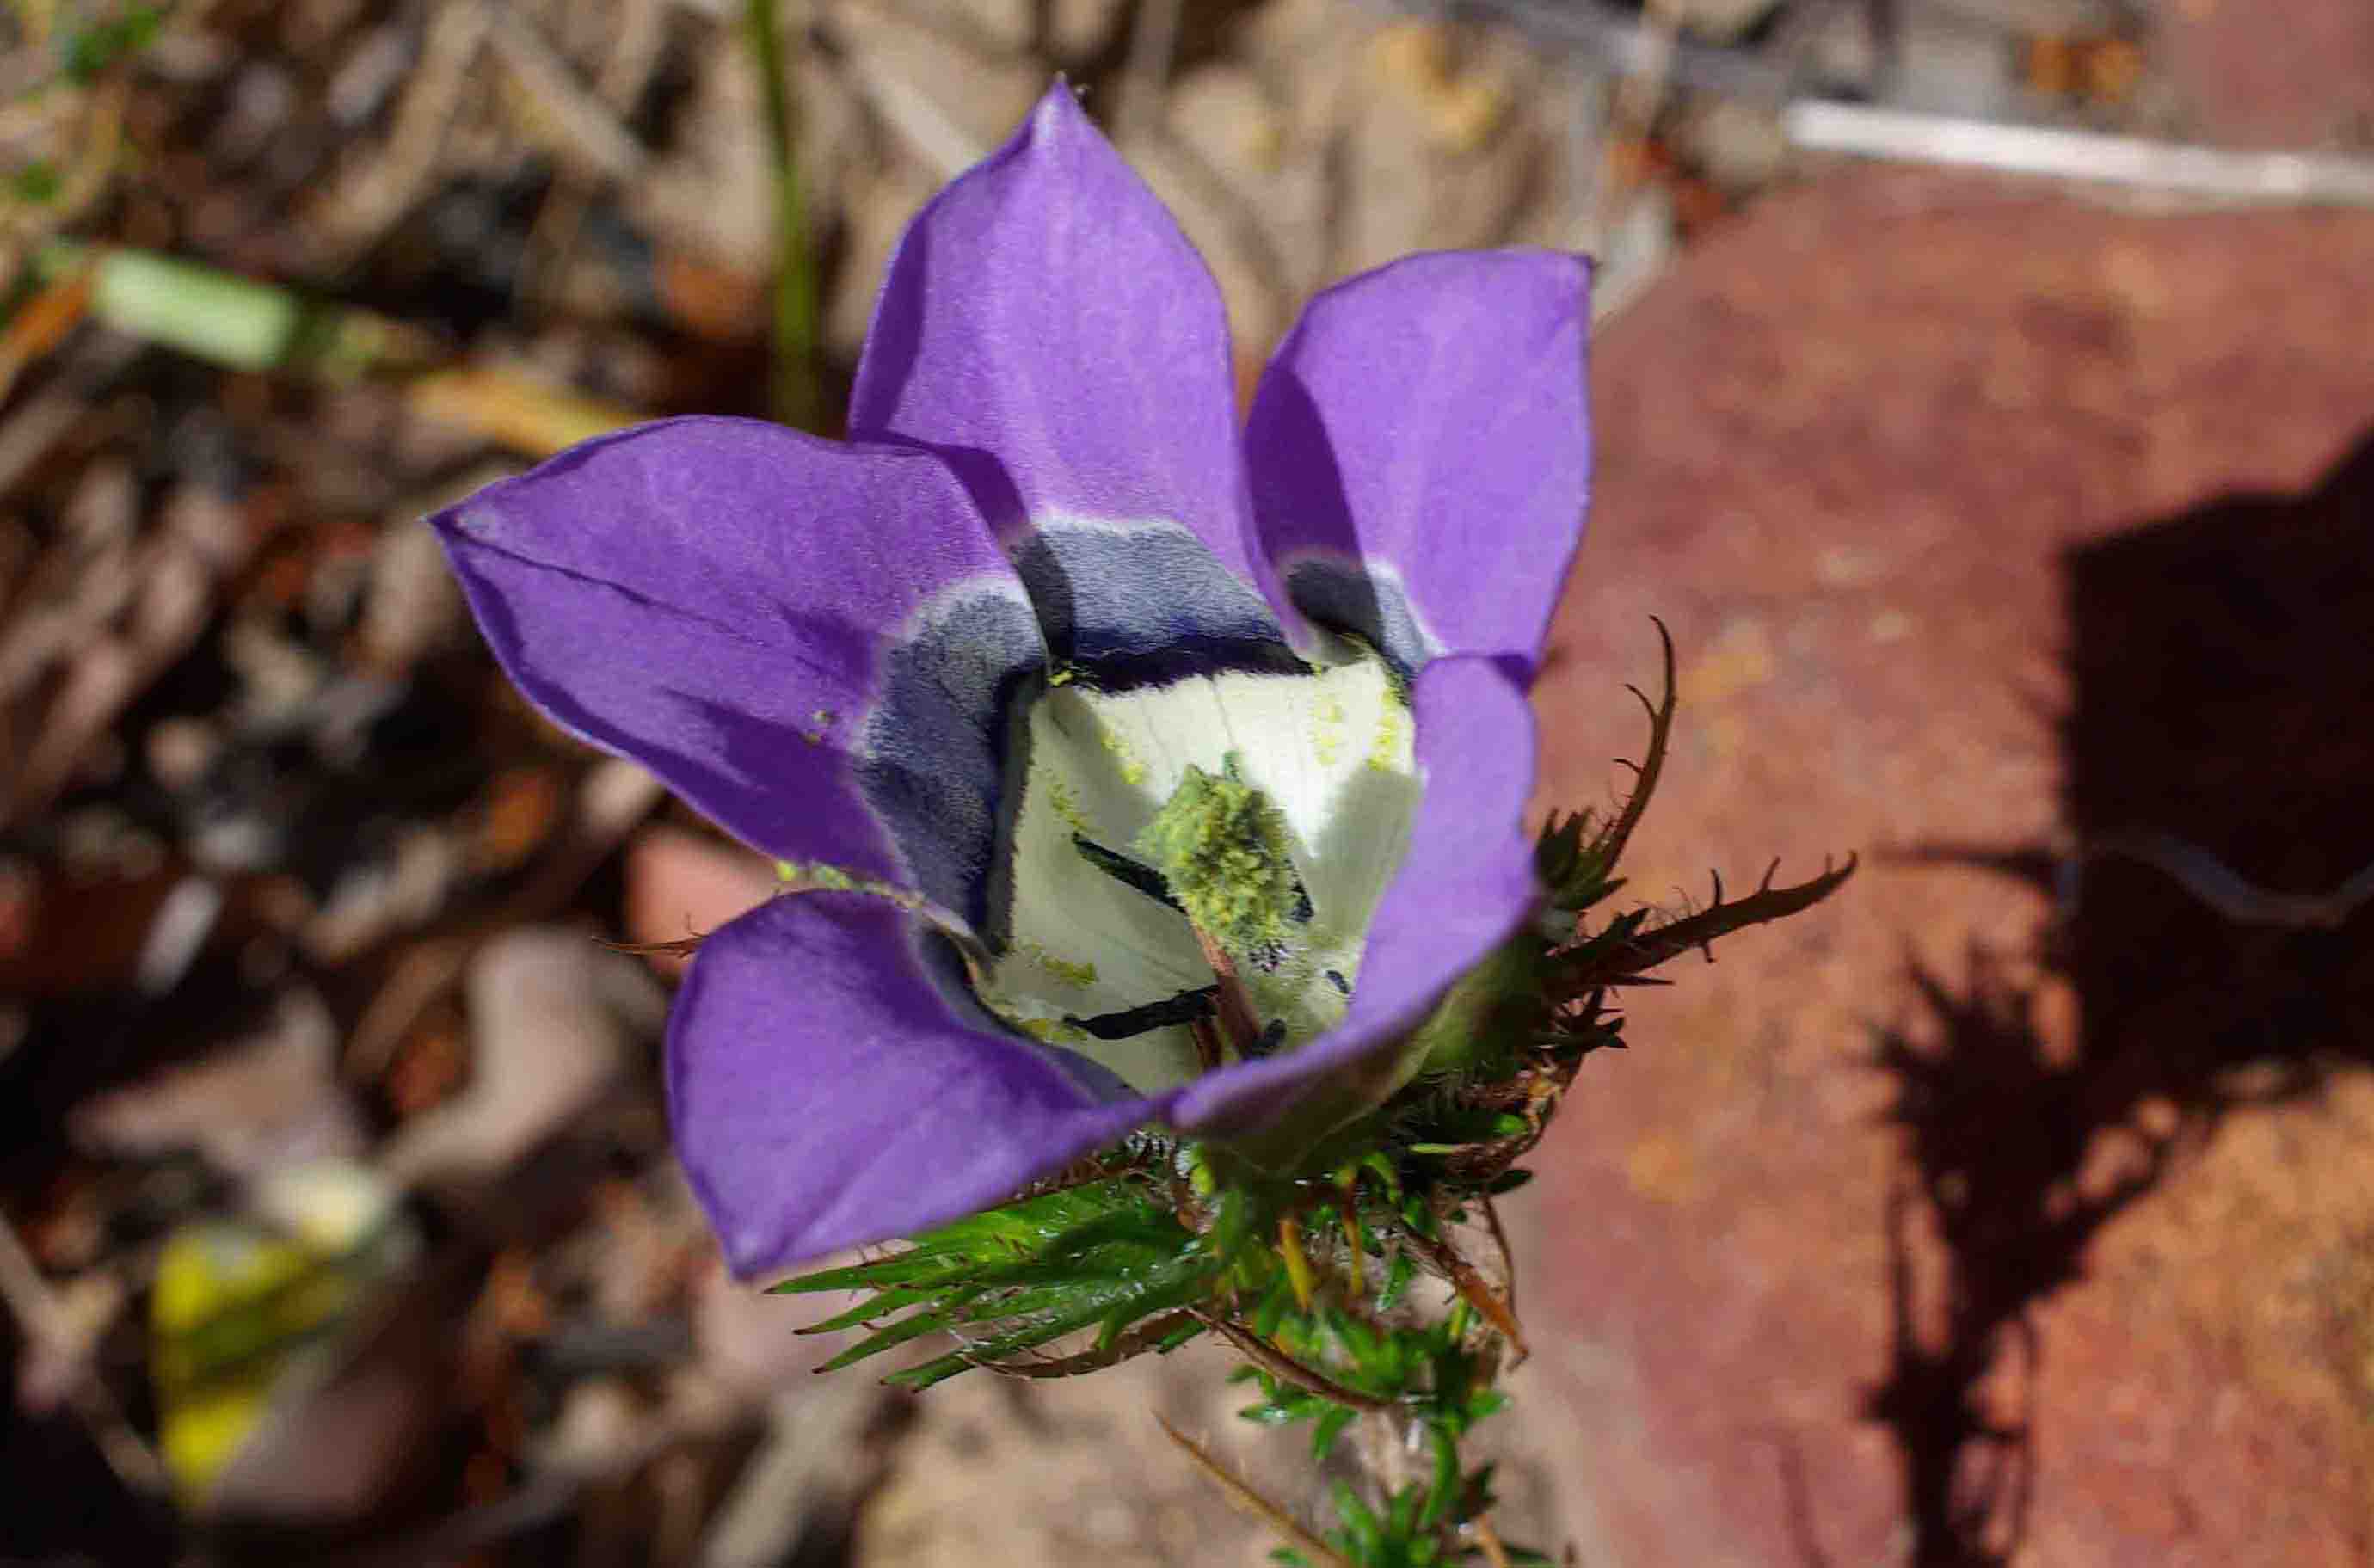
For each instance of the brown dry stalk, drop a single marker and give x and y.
(1286, 1369)
(1239, 1027)
(1145, 1336)
(1242, 1494)
(1489, 1539)
(1470, 1284)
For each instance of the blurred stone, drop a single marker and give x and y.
(269, 1101)
(1841, 448)
(1739, 144)
(412, 607)
(552, 1015)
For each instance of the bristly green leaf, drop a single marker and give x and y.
(871, 1310)
(1102, 1255)
(1363, 1531)
(1182, 1280)
(957, 1249)
(1331, 1427)
(1444, 1493)
(1398, 1275)
(912, 1326)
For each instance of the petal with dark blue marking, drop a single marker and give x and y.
(1420, 451)
(810, 642)
(1047, 328)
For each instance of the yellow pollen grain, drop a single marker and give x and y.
(1327, 731)
(1385, 748)
(1066, 805)
(1079, 976)
(1133, 771)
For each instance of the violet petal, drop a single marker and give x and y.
(1418, 449)
(1466, 882)
(809, 642)
(1049, 330)
(830, 1083)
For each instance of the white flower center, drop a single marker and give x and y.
(1096, 958)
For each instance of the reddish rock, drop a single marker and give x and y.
(1917, 469)
(2293, 73)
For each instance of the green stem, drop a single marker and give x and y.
(793, 381)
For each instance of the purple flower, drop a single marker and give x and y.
(1092, 682)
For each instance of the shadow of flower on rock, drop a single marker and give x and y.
(2210, 945)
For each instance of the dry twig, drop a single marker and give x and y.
(1253, 1502)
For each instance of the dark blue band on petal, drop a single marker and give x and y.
(1345, 597)
(1144, 605)
(932, 766)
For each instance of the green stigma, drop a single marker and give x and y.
(1222, 846)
